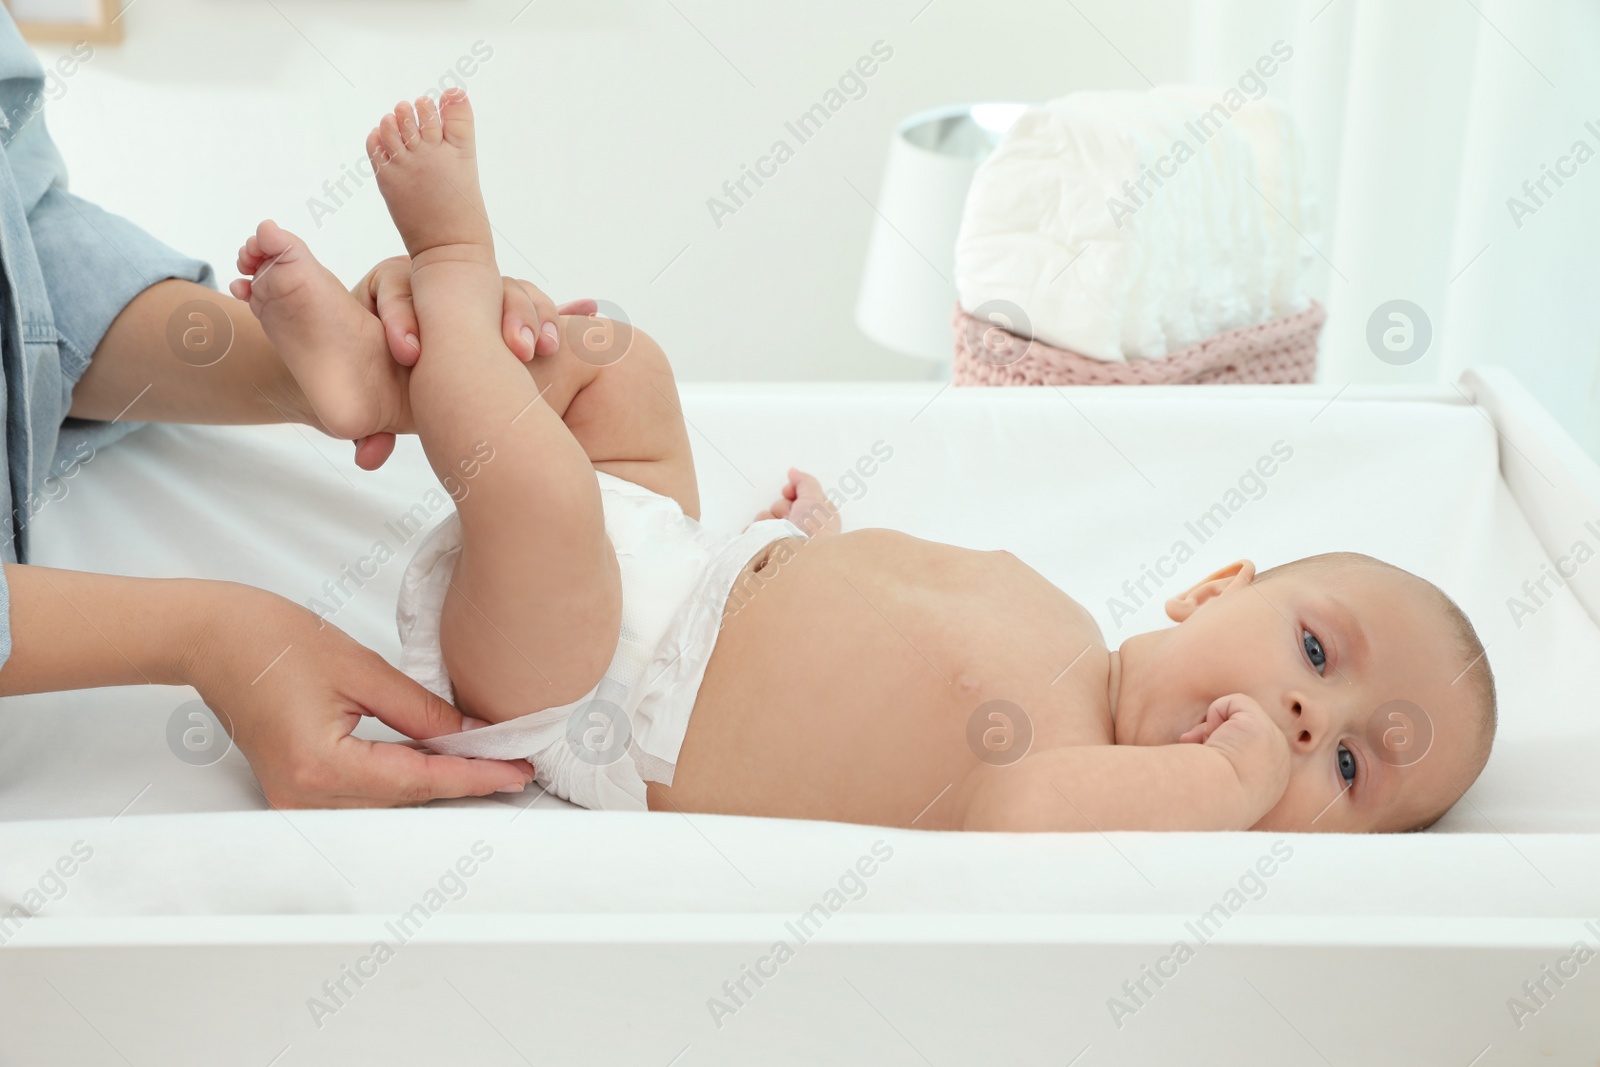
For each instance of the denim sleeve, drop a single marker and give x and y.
(67, 269)
(94, 263)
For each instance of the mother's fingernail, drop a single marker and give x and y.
(411, 339)
(517, 788)
(528, 336)
(550, 333)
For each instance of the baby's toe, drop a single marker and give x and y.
(272, 239)
(407, 120)
(455, 116)
(428, 120)
(389, 135)
(375, 149)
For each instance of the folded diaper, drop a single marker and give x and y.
(1127, 225)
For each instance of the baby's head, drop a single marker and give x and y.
(1378, 680)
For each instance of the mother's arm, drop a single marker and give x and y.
(292, 715)
(222, 369)
(182, 352)
(289, 687)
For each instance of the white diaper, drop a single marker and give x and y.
(676, 576)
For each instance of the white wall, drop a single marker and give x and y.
(610, 122)
(607, 124)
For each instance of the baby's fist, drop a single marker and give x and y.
(1238, 727)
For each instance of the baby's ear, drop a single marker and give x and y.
(1235, 575)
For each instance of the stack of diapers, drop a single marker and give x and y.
(1139, 237)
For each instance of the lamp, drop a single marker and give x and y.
(908, 286)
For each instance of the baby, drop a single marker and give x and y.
(637, 660)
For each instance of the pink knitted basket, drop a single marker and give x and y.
(1278, 350)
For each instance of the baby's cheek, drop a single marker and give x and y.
(1309, 804)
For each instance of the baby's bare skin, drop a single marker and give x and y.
(856, 675)
(889, 645)
(856, 672)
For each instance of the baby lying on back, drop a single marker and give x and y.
(640, 660)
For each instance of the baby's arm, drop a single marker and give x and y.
(1229, 782)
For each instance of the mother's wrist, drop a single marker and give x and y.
(215, 616)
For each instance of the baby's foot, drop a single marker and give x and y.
(334, 347)
(805, 504)
(427, 166)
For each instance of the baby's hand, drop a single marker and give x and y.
(805, 504)
(1255, 745)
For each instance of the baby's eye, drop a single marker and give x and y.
(1313, 648)
(1347, 763)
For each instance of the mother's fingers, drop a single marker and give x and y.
(383, 773)
(374, 450)
(531, 324)
(389, 297)
(586, 306)
(523, 315)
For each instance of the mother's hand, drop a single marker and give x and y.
(529, 322)
(294, 720)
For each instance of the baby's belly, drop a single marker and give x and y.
(832, 692)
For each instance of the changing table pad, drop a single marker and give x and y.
(1092, 488)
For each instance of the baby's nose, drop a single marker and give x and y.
(1307, 720)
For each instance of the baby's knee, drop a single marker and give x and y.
(613, 347)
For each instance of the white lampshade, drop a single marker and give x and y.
(908, 287)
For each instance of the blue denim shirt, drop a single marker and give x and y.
(67, 269)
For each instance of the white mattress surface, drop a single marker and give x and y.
(1087, 486)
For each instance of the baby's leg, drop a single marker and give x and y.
(625, 413)
(533, 612)
(621, 403)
